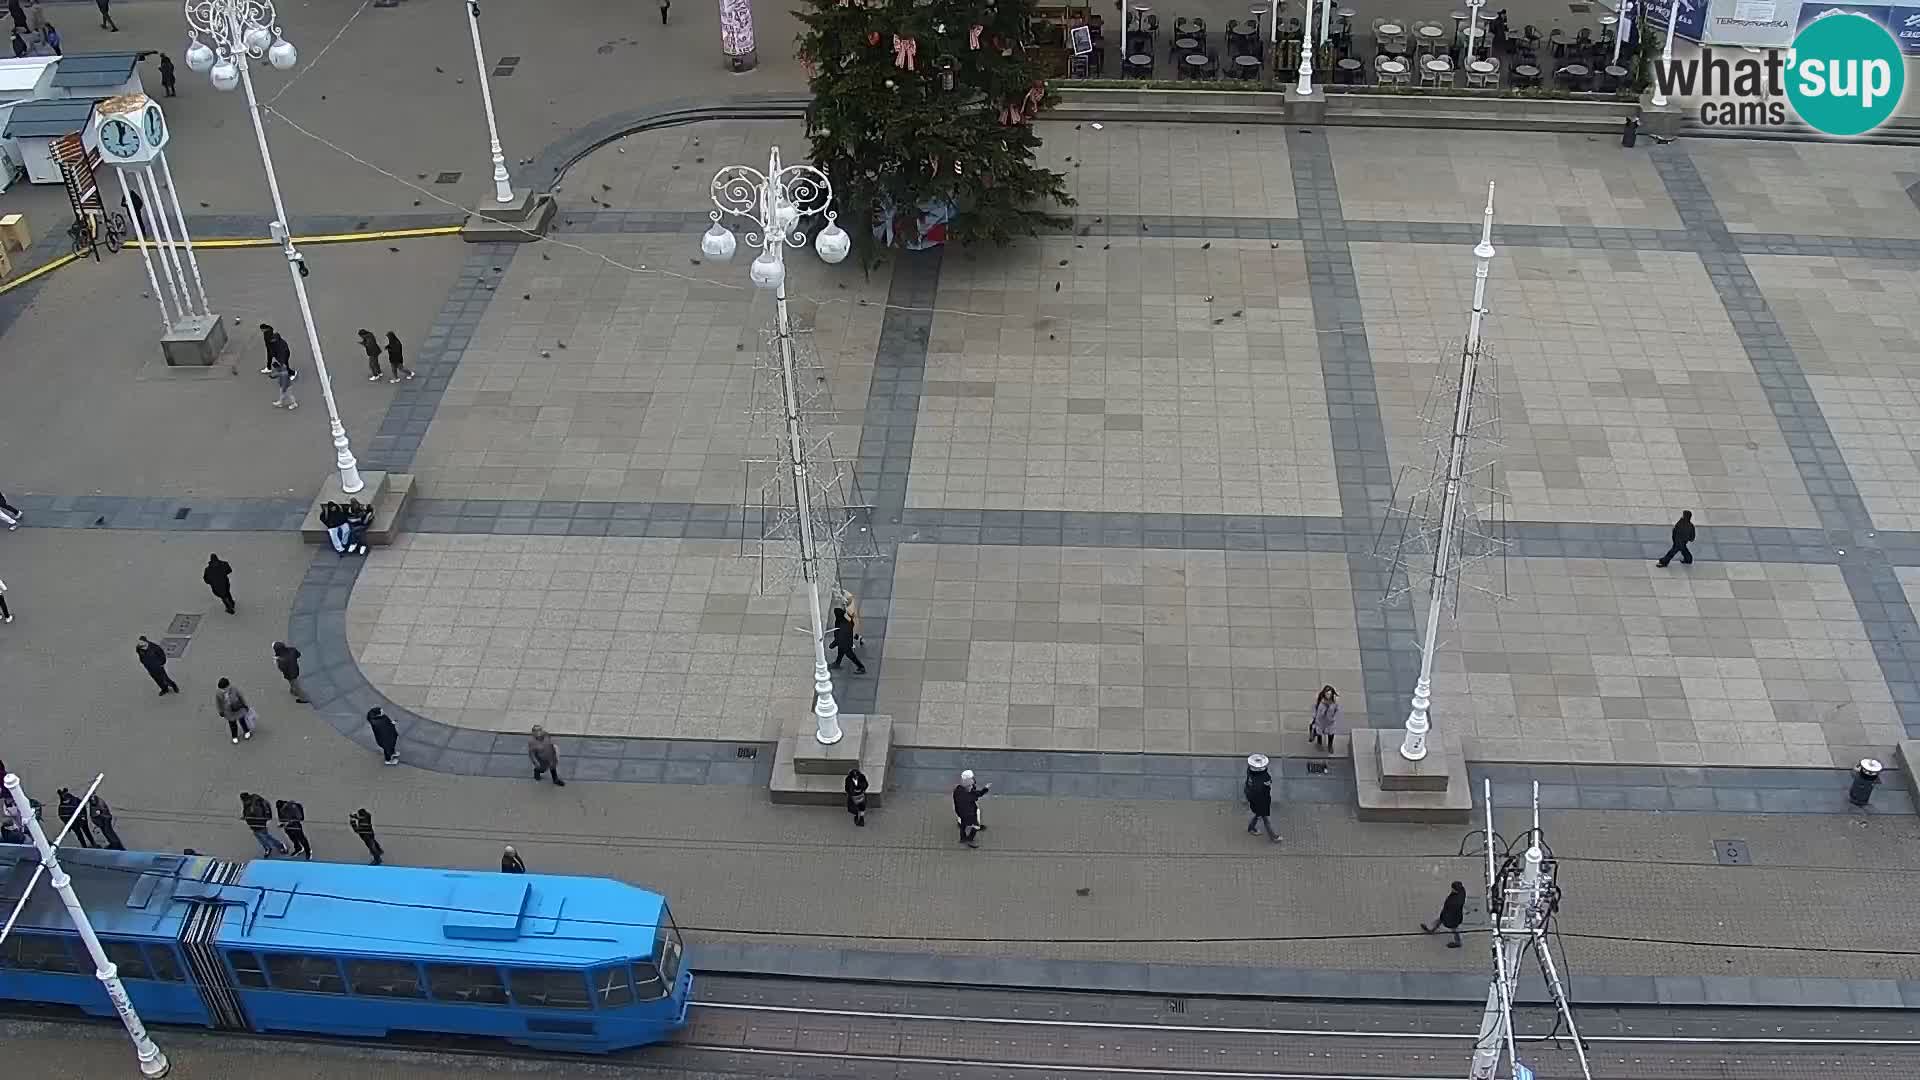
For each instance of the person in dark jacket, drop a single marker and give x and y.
(372, 346)
(361, 822)
(19, 14)
(385, 735)
(397, 358)
(287, 659)
(219, 577)
(511, 862)
(106, 17)
(966, 806)
(154, 659)
(70, 808)
(1259, 791)
(293, 822)
(857, 795)
(1682, 536)
(258, 815)
(102, 816)
(544, 755)
(166, 74)
(1453, 911)
(843, 641)
(278, 351)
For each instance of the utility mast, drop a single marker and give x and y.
(1522, 900)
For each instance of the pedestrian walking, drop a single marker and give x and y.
(287, 659)
(232, 706)
(385, 735)
(843, 635)
(511, 862)
(966, 806)
(372, 346)
(154, 659)
(258, 815)
(544, 755)
(106, 17)
(1259, 792)
(277, 349)
(70, 811)
(857, 795)
(9, 513)
(665, 6)
(293, 822)
(283, 378)
(1326, 718)
(6, 613)
(397, 358)
(166, 74)
(1453, 912)
(102, 815)
(361, 822)
(1682, 536)
(219, 577)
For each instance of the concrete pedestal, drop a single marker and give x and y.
(525, 218)
(1661, 120)
(1306, 108)
(1391, 788)
(807, 773)
(386, 492)
(196, 342)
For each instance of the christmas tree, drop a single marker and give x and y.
(923, 117)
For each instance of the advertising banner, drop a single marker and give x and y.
(1761, 23)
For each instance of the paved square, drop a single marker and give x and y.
(1079, 648)
(625, 369)
(629, 637)
(1625, 396)
(1160, 375)
(672, 168)
(1190, 170)
(1395, 174)
(1822, 189)
(1855, 327)
(1615, 661)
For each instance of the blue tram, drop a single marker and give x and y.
(559, 963)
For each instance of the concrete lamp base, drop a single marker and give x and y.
(807, 773)
(1391, 788)
(520, 221)
(196, 342)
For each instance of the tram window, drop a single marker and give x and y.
(549, 988)
(165, 965)
(39, 952)
(470, 984)
(646, 981)
(127, 957)
(247, 971)
(308, 974)
(385, 978)
(613, 986)
(668, 950)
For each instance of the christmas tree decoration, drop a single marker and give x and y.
(923, 153)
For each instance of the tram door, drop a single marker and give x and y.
(198, 932)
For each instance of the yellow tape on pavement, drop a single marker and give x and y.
(44, 268)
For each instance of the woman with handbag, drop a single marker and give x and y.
(1326, 718)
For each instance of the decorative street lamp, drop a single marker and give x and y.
(1666, 52)
(1306, 51)
(776, 202)
(502, 184)
(239, 29)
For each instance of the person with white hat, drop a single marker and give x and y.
(966, 806)
(1259, 792)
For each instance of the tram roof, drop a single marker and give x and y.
(447, 915)
(126, 893)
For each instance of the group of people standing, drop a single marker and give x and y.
(279, 365)
(98, 819)
(259, 815)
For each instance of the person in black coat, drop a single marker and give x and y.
(1682, 536)
(511, 862)
(219, 577)
(166, 74)
(287, 659)
(1453, 911)
(69, 808)
(154, 659)
(843, 641)
(385, 735)
(1259, 792)
(102, 815)
(361, 822)
(371, 345)
(397, 358)
(278, 351)
(966, 807)
(293, 822)
(857, 795)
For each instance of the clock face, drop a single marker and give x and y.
(117, 137)
(156, 125)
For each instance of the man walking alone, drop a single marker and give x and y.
(287, 659)
(966, 807)
(1453, 911)
(1259, 792)
(544, 755)
(154, 659)
(233, 708)
(361, 822)
(219, 577)
(1682, 536)
(385, 735)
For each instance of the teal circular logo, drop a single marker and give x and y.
(1845, 74)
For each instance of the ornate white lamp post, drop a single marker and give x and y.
(1306, 51)
(237, 30)
(502, 184)
(776, 202)
(1666, 51)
